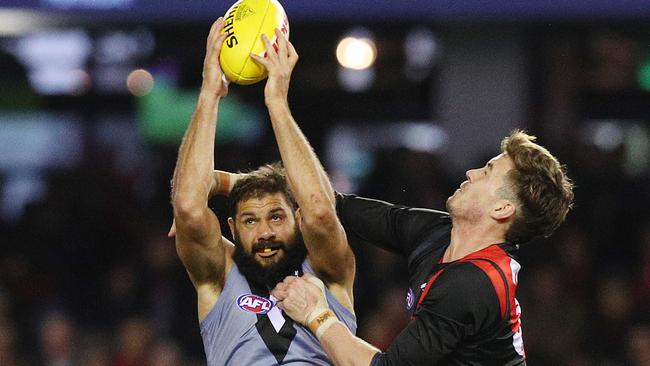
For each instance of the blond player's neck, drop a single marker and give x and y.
(467, 239)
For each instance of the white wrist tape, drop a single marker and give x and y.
(322, 322)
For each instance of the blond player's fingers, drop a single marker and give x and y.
(280, 286)
(313, 280)
(279, 293)
(290, 279)
(280, 305)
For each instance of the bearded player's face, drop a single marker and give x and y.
(265, 227)
(268, 243)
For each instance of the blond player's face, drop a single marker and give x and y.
(264, 226)
(477, 195)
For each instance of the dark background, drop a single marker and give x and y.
(87, 274)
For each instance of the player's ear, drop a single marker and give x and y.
(503, 210)
(231, 225)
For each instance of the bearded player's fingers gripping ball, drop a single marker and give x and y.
(245, 22)
(276, 52)
(212, 73)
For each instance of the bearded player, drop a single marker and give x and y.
(239, 321)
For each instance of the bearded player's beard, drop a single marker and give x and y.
(294, 254)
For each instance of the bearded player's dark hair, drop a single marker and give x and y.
(267, 179)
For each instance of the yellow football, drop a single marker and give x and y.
(245, 22)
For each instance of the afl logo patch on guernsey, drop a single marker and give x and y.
(410, 299)
(254, 304)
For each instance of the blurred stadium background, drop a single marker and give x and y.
(95, 96)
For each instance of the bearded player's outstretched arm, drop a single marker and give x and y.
(198, 235)
(329, 253)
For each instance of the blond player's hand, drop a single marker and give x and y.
(279, 64)
(302, 298)
(214, 82)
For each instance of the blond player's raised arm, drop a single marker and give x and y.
(199, 243)
(329, 252)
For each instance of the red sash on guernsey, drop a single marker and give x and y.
(496, 264)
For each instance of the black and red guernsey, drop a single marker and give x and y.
(463, 312)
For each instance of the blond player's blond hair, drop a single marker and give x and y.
(540, 186)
